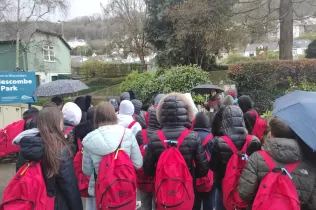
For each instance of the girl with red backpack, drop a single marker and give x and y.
(228, 126)
(282, 171)
(49, 171)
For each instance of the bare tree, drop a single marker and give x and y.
(267, 14)
(21, 15)
(130, 15)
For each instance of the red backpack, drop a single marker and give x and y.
(116, 181)
(174, 183)
(8, 134)
(235, 165)
(27, 190)
(259, 127)
(132, 124)
(144, 183)
(83, 180)
(205, 184)
(277, 190)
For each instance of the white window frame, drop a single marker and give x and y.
(50, 57)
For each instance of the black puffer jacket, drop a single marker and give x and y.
(153, 126)
(228, 122)
(139, 116)
(173, 113)
(246, 105)
(30, 117)
(283, 151)
(65, 183)
(84, 128)
(84, 103)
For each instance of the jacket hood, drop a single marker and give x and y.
(83, 129)
(31, 145)
(126, 108)
(114, 104)
(153, 123)
(202, 121)
(72, 113)
(104, 140)
(125, 96)
(228, 100)
(229, 121)
(30, 113)
(174, 110)
(137, 106)
(283, 150)
(125, 120)
(245, 103)
(84, 102)
(28, 133)
(158, 98)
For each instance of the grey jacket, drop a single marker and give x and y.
(104, 141)
(282, 151)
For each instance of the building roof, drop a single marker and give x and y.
(7, 38)
(272, 46)
(301, 43)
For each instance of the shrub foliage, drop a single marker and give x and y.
(265, 81)
(175, 79)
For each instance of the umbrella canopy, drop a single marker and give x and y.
(60, 87)
(206, 89)
(297, 110)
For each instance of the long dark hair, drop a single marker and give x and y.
(49, 124)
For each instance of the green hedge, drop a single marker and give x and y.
(265, 81)
(176, 79)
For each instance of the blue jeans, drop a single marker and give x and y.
(219, 200)
(207, 198)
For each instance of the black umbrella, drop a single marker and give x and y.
(206, 89)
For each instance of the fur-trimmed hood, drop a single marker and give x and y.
(174, 110)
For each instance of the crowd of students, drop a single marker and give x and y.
(176, 153)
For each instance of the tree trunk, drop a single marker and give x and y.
(143, 63)
(286, 30)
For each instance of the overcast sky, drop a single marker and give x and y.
(82, 8)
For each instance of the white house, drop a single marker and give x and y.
(300, 46)
(251, 48)
(77, 43)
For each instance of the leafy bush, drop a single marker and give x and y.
(264, 81)
(93, 68)
(302, 85)
(176, 79)
(236, 58)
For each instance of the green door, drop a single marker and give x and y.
(54, 78)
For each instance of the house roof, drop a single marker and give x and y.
(7, 38)
(54, 34)
(272, 46)
(301, 43)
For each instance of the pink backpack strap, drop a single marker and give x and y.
(147, 118)
(248, 140)
(207, 139)
(231, 145)
(79, 144)
(68, 130)
(268, 159)
(162, 138)
(120, 145)
(192, 125)
(132, 124)
(183, 135)
(253, 113)
(144, 135)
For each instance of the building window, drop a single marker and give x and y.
(49, 53)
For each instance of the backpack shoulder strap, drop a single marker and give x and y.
(253, 113)
(181, 138)
(132, 124)
(207, 139)
(144, 135)
(162, 138)
(147, 118)
(79, 144)
(268, 159)
(192, 125)
(231, 145)
(248, 140)
(290, 167)
(68, 130)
